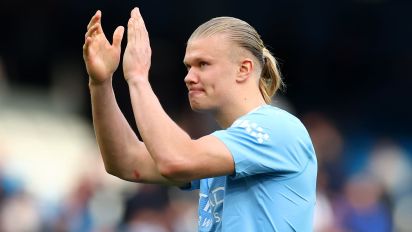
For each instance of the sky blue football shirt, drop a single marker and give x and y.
(274, 184)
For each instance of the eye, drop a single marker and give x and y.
(203, 64)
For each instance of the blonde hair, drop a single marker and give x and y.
(244, 35)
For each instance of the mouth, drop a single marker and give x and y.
(195, 91)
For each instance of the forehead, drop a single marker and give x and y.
(210, 47)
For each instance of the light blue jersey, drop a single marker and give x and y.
(274, 184)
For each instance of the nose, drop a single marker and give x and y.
(191, 77)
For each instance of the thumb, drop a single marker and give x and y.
(118, 36)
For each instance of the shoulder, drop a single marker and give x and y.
(269, 118)
(272, 126)
(278, 141)
(266, 123)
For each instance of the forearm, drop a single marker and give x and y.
(166, 142)
(114, 135)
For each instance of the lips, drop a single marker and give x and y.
(195, 91)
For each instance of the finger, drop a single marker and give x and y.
(96, 18)
(137, 30)
(95, 29)
(118, 36)
(131, 31)
(89, 32)
(86, 46)
(135, 13)
(138, 17)
(140, 24)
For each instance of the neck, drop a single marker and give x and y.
(227, 115)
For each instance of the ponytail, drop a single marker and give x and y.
(270, 80)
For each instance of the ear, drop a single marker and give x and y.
(245, 70)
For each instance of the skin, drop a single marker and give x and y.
(219, 76)
(216, 79)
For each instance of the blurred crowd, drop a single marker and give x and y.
(346, 62)
(364, 183)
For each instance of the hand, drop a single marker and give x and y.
(101, 57)
(137, 56)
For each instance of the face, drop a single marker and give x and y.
(211, 72)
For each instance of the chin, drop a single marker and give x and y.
(197, 107)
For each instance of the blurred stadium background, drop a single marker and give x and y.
(347, 66)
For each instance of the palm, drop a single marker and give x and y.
(136, 59)
(101, 57)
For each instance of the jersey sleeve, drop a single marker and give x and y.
(262, 147)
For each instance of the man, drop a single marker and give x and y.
(257, 174)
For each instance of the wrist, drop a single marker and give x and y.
(96, 83)
(137, 80)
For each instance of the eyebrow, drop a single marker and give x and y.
(196, 59)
